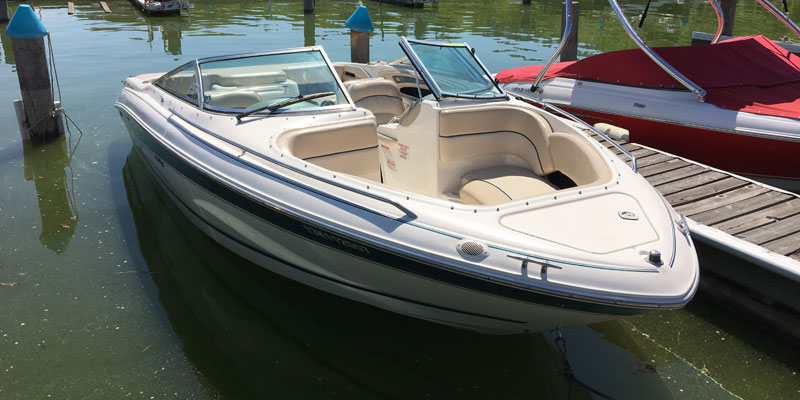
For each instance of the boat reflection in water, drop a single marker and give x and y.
(251, 333)
(45, 165)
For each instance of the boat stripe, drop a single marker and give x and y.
(316, 274)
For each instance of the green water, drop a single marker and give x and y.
(109, 292)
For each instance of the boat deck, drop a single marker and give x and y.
(740, 208)
(747, 235)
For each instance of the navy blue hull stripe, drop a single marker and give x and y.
(316, 274)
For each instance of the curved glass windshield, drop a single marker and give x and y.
(455, 70)
(254, 82)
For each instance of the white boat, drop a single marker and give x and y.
(734, 104)
(466, 207)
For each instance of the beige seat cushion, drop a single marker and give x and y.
(379, 96)
(233, 99)
(497, 185)
(469, 132)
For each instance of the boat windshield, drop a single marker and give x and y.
(252, 82)
(451, 70)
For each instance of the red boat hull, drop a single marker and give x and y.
(758, 157)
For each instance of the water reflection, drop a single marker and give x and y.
(309, 21)
(251, 334)
(45, 165)
(8, 52)
(171, 30)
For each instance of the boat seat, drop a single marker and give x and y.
(348, 147)
(233, 99)
(378, 95)
(498, 185)
(234, 77)
(467, 133)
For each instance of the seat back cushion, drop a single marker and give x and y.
(233, 99)
(469, 132)
(349, 147)
(379, 96)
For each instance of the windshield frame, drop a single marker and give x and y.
(405, 45)
(349, 106)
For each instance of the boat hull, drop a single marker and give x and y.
(353, 269)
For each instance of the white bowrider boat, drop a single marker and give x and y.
(465, 207)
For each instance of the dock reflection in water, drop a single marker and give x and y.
(251, 333)
(171, 30)
(47, 165)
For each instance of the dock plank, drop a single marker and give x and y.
(795, 256)
(723, 200)
(739, 208)
(760, 218)
(70, 8)
(675, 174)
(663, 167)
(690, 182)
(105, 7)
(653, 159)
(641, 152)
(701, 192)
(772, 231)
(630, 146)
(785, 245)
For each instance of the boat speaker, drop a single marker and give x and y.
(472, 250)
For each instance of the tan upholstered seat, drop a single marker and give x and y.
(378, 95)
(497, 185)
(350, 147)
(233, 99)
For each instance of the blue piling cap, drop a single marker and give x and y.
(25, 24)
(360, 21)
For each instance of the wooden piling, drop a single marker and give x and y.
(360, 25)
(729, 11)
(3, 10)
(70, 8)
(34, 83)
(105, 7)
(359, 47)
(308, 6)
(571, 50)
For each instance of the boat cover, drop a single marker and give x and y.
(751, 74)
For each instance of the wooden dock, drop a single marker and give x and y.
(747, 233)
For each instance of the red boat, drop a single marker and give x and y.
(741, 112)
